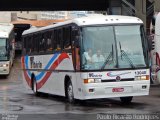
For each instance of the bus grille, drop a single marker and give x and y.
(114, 80)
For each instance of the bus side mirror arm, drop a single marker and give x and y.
(150, 44)
(77, 42)
(10, 47)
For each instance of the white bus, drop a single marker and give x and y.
(7, 49)
(155, 54)
(54, 60)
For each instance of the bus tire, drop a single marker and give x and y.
(6, 76)
(69, 92)
(34, 86)
(126, 100)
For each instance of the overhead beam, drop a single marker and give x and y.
(36, 5)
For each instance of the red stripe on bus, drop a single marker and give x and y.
(27, 78)
(45, 78)
(53, 67)
(157, 61)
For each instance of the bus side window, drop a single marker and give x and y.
(58, 39)
(26, 39)
(54, 40)
(38, 42)
(58, 47)
(24, 46)
(34, 46)
(64, 38)
(49, 43)
(38, 38)
(42, 43)
(67, 38)
(29, 45)
(45, 41)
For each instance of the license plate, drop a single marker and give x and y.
(117, 89)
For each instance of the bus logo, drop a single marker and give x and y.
(95, 75)
(35, 64)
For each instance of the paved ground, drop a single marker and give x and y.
(18, 103)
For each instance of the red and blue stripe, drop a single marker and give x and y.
(43, 76)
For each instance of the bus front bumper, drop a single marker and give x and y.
(4, 71)
(118, 89)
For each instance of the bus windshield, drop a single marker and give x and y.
(3, 51)
(113, 47)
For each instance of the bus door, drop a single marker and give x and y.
(76, 49)
(76, 60)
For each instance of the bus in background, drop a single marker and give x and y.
(7, 51)
(156, 52)
(90, 57)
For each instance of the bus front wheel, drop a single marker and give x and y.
(126, 100)
(70, 95)
(34, 85)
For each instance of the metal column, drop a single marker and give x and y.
(157, 5)
(140, 12)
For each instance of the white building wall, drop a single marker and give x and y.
(41, 15)
(75, 14)
(5, 17)
(62, 14)
(27, 15)
(47, 15)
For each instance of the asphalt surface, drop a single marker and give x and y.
(18, 103)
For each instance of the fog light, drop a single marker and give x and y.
(144, 87)
(97, 80)
(91, 90)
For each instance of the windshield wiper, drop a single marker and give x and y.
(123, 53)
(111, 54)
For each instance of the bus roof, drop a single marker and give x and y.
(5, 29)
(92, 20)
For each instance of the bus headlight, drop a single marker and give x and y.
(144, 77)
(5, 65)
(96, 80)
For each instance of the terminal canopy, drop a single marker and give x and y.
(37, 5)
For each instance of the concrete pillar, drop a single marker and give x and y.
(140, 6)
(13, 16)
(157, 5)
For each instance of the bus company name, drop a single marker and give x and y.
(95, 75)
(35, 64)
